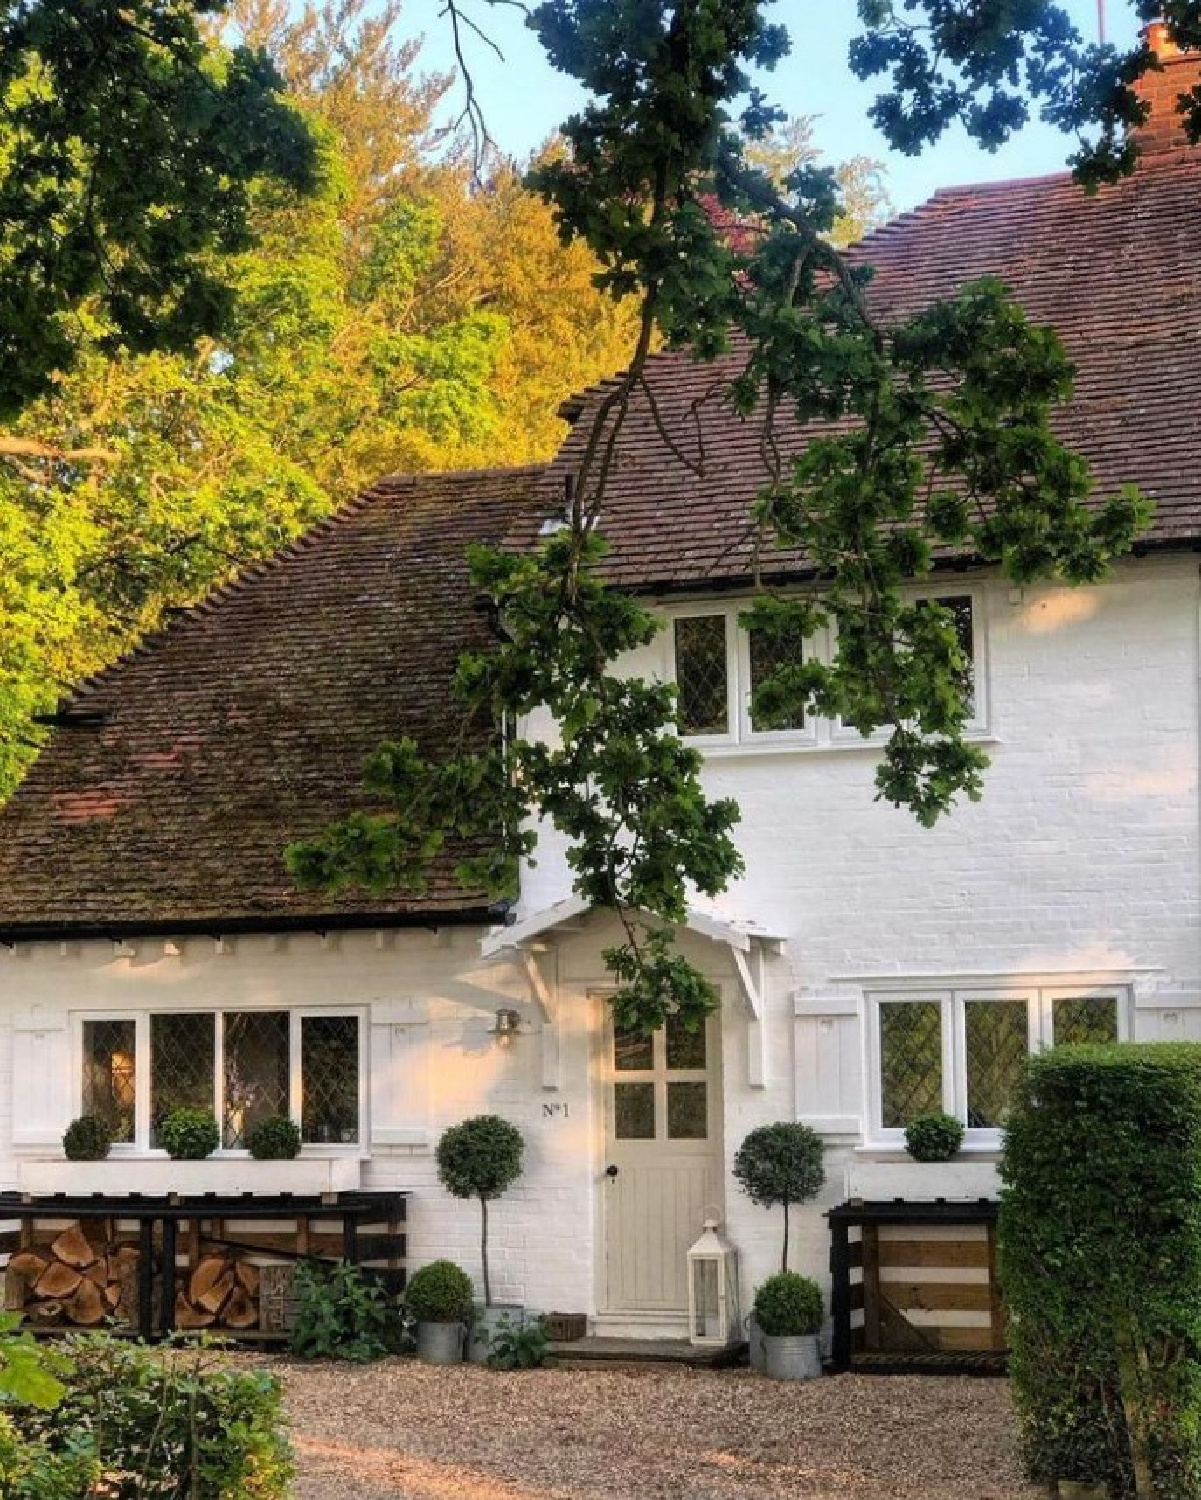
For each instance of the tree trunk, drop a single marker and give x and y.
(784, 1261)
(1134, 1382)
(484, 1250)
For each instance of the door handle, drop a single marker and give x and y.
(611, 1170)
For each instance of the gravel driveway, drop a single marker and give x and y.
(401, 1431)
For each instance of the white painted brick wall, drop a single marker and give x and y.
(1083, 855)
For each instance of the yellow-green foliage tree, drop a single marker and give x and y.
(393, 320)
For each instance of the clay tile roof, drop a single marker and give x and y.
(1117, 274)
(246, 724)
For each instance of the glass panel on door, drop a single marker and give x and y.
(634, 1111)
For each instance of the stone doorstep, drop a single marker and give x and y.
(630, 1354)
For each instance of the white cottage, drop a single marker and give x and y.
(154, 952)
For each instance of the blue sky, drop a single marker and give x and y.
(525, 99)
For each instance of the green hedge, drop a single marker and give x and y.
(1100, 1259)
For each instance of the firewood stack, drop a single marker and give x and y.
(75, 1280)
(222, 1292)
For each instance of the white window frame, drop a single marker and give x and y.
(1039, 1000)
(740, 731)
(845, 734)
(818, 733)
(140, 1146)
(704, 612)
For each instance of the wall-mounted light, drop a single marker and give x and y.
(508, 1025)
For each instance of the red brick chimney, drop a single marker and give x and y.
(1179, 72)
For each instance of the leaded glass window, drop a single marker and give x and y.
(329, 1070)
(256, 1071)
(910, 1060)
(767, 656)
(702, 675)
(183, 1050)
(997, 1043)
(959, 607)
(110, 1075)
(1084, 1018)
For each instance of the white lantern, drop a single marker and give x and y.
(713, 1288)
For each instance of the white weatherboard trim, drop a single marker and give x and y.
(158, 1176)
(918, 1181)
(737, 933)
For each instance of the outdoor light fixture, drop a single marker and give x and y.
(508, 1025)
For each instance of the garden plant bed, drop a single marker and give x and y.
(401, 1431)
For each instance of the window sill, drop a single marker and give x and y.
(157, 1176)
(890, 1151)
(749, 750)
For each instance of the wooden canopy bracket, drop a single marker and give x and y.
(546, 996)
(752, 975)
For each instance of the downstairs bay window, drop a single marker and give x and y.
(963, 1050)
(241, 1065)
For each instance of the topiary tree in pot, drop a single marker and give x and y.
(189, 1134)
(788, 1308)
(783, 1164)
(480, 1158)
(440, 1296)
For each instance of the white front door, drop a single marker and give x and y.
(662, 1165)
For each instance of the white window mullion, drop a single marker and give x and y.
(295, 1083)
(219, 1072)
(364, 1080)
(955, 1057)
(1040, 1022)
(142, 1082)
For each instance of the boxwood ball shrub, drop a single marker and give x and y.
(782, 1164)
(440, 1292)
(480, 1158)
(87, 1139)
(274, 1139)
(189, 1134)
(789, 1306)
(933, 1137)
(1100, 1261)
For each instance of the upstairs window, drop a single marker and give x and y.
(702, 675)
(717, 665)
